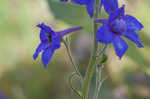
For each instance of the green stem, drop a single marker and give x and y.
(71, 58)
(98, 79)
(70, 83)
(99, 73)
(91, 66)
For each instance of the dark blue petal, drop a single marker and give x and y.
(80, 2)
(110, 5)
(47, 55)
(104, 35)
(88, 3)
(56, 42)
(132, 23)
(46, 28)
(41, 47)
(133, 37)
(64, 0)
(118, 13)
(90, 7)
(103, 21)
(120, 46)
(43, 36)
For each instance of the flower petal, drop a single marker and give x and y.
(110, 5)
(48, 52)
(41, 47)
(133, 37)
(56, 42)
(103, 21)
(88, 3)
(116, 14)
(104, 35)
(120, 46)
(43, 36)
(132, 23)
(90, 7)
(63, 0)
(46, 28)
(80, 2)
(47, 55)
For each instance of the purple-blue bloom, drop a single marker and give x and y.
(2, 96)
(50, 41)
(117, 26)
(88, 3)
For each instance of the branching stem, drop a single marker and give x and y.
(71, 58)
(92, 62)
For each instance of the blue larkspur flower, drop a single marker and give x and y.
(118, 25)
(50, 41)
(88, 3)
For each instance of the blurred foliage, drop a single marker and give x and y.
(22, 78)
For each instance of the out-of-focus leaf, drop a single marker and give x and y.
(70, 13)
(145, 39)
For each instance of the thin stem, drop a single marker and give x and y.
(98, 77)
(91, 66)
(99, 86)
(71, 58)
(70, 83)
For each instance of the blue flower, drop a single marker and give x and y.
(50, 41)
(88, 3)
(2, 96)
(117, 26)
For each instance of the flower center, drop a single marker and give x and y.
(118, 26)
(49, 38)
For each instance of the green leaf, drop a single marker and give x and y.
(71, 13)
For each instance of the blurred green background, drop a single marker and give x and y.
(23, 78)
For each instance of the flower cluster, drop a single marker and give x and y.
(112, 30)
